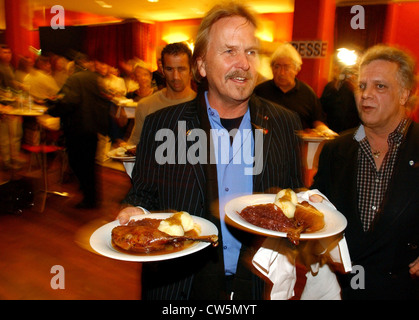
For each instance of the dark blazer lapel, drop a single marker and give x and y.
(260, 121)
(400, 193)
(345, 162)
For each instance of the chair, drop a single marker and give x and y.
(47, 145)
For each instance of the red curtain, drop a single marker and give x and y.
(120, 42)
(375, 18)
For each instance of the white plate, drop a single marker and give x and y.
(116, 154)
(335, 222)
(101, 240)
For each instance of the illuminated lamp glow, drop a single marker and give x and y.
(175, 37)
(103, 4)
(265, 36)
(347, 57)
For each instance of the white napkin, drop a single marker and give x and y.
(338, 252)
(279, 268)
(276, 261)
(129, 166)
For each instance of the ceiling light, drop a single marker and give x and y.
(104, 4)
(153, 0)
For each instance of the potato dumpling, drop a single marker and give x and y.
(171, 229)
(287, 200)
(177, 224)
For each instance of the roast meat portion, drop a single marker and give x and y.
(143, 236)
(270, 216)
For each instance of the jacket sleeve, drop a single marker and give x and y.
(145, 173)
(323, 173)
(71, 97)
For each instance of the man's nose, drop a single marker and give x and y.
(243, 61)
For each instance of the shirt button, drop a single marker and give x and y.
(227, 189)
(374, 208)
(225, 247)
(377, 180)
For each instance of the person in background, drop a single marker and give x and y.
(127, 73)
(176, 61)
(24, 67)
(84, 112)
(287, 90)
(158, 75)
(81, 62)
(39, 81)
(371, 175)
(225, 63)
(143, 77)
(338, 99)
(114, 83)
(10, 126)
(7, 73)
(59, 70)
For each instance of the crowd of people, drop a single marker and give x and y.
(369, 172)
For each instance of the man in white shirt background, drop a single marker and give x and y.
(176, 60)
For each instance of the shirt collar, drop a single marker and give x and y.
(214, 116)
(294, 89)
(397, 135)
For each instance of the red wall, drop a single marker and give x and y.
(402, 26)
(314, 20)
(402, 30)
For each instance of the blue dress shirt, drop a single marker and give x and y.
(231, 160)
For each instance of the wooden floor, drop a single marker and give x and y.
(32, 243)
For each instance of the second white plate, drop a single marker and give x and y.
(335, 222)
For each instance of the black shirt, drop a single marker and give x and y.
(301, 99)
(340, 107)
(230, 124)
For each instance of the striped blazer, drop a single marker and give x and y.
(193, 188)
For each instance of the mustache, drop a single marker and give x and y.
(238, 74)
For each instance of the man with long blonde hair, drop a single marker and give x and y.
(225, 64)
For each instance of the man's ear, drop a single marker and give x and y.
(201, 67)
(404, 97)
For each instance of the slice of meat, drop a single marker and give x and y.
(144, 237)
(270, 216)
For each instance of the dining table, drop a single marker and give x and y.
(44, 122)
(312, 146)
